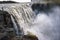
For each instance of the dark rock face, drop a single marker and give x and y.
(40, 7)
(37, 7)
(29, 37)
(4, 38)
(5, 24)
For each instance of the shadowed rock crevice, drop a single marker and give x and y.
(37, 7)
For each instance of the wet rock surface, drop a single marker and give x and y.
(5, 25)
(29, 37)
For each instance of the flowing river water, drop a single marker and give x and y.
(45, 25)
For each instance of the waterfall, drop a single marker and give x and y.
(45, 25)
(23, 15)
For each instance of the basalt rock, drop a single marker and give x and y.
(29, 37)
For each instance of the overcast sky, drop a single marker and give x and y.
(19, 0)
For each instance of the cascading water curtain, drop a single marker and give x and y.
(39, 20)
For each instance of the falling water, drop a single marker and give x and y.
(45, 25)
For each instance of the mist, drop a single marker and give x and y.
(46, 25)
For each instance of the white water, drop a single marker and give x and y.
(45, 27)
